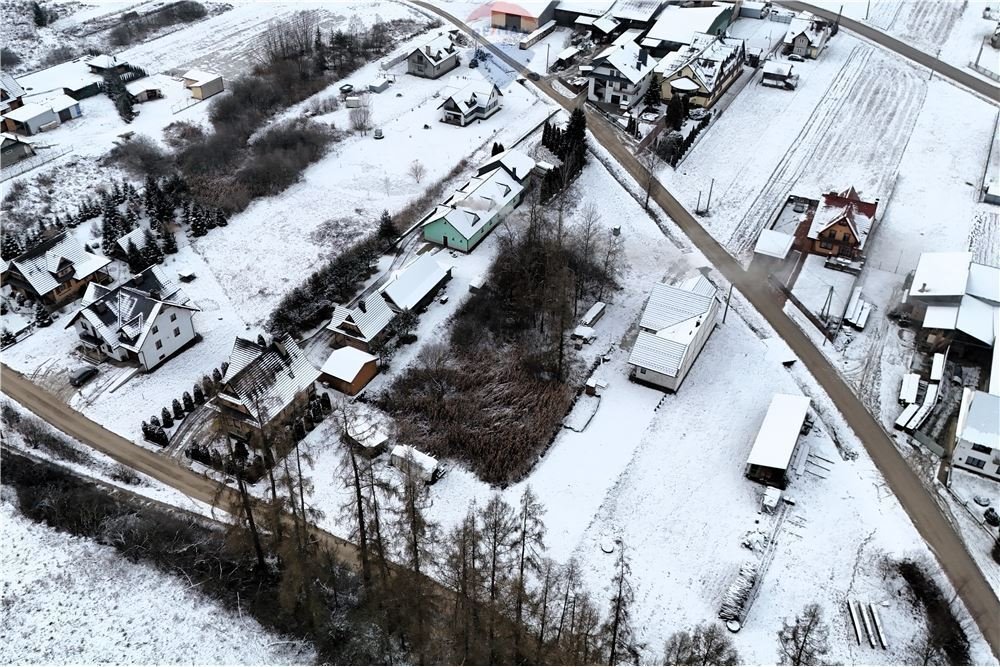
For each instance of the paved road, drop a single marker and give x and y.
(167, 470)
(956, 74)
(931, 524)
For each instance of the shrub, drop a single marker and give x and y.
(8, 58)
(125, 475)
(59, 54)
(940, 615)
(141, 157)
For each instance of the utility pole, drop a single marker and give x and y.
(708, 203)
(728, 299)
(868, 9)
(547, 58)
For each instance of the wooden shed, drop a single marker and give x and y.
(203, 84)
(348, 370)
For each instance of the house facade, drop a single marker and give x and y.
(364, 327)
(56, 271)
(807, 35)
(675, 325)
(526, 16)
(144, 321)
(841, 224)
(472, 212)
(436, 57)
(266, 384)
(203, 84)
(702, 71)
(977, 436)
(348, 370)
(13, 149)
(476, 101)
(620, 75)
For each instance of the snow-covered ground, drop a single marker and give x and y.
(638, 473)
(69, 600)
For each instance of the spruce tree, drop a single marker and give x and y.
(188, 401)
(10, 247)
(136, 260)
(151, 249)
(42, 317)
(199, 394)
(386, 228)
(220, 218)
(169, 242)
(178, 410)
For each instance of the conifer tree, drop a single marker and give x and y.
(169, 242)
(42, 317)
(136, 260)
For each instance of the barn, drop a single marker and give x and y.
(525, 16)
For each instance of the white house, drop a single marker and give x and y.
(410, 459)
(620, 75)
(519, 165)
(145, 320)
(416, 284)
(807, 35)
(472, 212)
(435, 57)
(977, 436)
(703, 70)
(675, 325)
(477, 101)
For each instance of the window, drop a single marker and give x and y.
(155, 329)
(177, 331)
(642, 371)
(982, 449)
(974, 462)
(826, 245)
(159, 345)
(173, 317)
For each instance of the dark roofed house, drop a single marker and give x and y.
(14, 149)
(11, 93)
(841, 224)
(55, 271)
(145, 320)
(362, 327)
(434, 58)
(265, 384)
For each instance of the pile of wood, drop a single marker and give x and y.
(735, 601)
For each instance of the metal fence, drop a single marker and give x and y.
(33, 162)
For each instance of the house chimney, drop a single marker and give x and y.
(923, 288)
(362, 306)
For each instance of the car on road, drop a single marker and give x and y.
(534, 76)
(82, 376)
(796, 58)
(697, 113)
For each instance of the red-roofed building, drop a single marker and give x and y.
(841, 224)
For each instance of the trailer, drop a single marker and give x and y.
(909, 388)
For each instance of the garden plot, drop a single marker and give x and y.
(71, 600)
(846, 135)
(967, 516)
(664, 473)
(273, 245)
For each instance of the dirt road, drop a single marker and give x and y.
(980, 599)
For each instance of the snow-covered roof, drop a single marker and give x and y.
(269, 377)
(593, 313)
(427, 463)
(137, 237)
(805, 23)
(567, 53)
(11, 90)
(635, 10)
(844, 207)
(477, 201)
(123, 316)
(984, 282)
(585, 7)
(778, 68)
(40, 265)
(940, 317)
(941, 274)
(104, 61)
(16, 138)
(27, 112)
(679, 24)
(365, 432)
(672, 317)
(774, 244)
(527, 8)
(779, 432)
(976, 318)
(437, 49)
(365, 321)
(606, 23)
(198, 77)
(472, 96)
(416, 280)
(981, 425)
(629, 59)
(346, 362)
(517, 163)
(61, 102)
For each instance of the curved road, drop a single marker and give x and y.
(956, 74)
(973, 588)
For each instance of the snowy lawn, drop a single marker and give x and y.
(69, 600)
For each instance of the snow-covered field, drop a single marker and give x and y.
(68, 600)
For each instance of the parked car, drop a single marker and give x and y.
(796, 58)
(697, 113)
(534, 76)
(82, 376)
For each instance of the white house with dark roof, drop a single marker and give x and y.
(263, 385)
(702, 70)
(415, 285)
(807, 35)
(473, 211)
(477, 101)
(55, 271)
(435, 57)
(620, 74)
(675, 325)
(977, 434)
(362, 327)
(145, 320)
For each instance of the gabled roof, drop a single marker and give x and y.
(346, 362)
(198, 77)
(473, 96)
(104, 61)
(478, 201)
(981, 423)
(635, 10)
(518, 164)
(28, 112)
(39, 265)
(270, 377)
(629, 59)
(709, 58)
(414, 282)
(369, 321)
(672, 317)
(11, 89)
(680, 24)
(137, 236)
(123, 316)
(844, 207)
(438, 49)
(804, 23)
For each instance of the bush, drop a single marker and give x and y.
(940, 616)
(125, 475)
(141, 157)
(281, 154)
(180, 133)
(133, 28)
(8, 58)
(59, 54)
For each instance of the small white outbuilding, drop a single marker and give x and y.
(407, 458)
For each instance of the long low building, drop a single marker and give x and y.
(465, 219)
(775, 444)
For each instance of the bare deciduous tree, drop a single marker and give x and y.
(804, 641)
(707, 644)
(617, 629)
(361, 115)
(417, 170)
